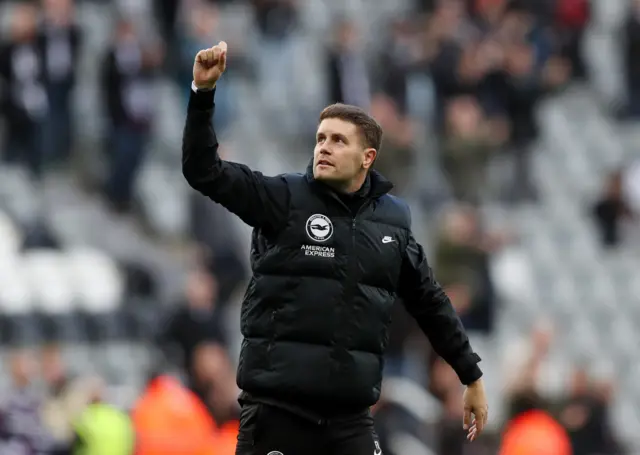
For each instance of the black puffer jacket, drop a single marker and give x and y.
(326, 272)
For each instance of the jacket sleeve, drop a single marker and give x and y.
(261, 202)
(425, 300)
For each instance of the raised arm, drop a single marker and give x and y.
(260, 201)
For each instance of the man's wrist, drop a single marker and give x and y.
(476, 383)
(197, 89)
(201, 99)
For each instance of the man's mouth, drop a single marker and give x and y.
(324, 163)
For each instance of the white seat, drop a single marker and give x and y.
(48, 280)
(15, 291)
(95, 279)
(10, 237)
(512, 275)
(625, 419)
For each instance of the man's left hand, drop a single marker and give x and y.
(476, 410)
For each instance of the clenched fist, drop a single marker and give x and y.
(209, 66)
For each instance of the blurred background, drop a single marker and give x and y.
(510, 127)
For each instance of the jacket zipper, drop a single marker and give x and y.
(348, 292)
(352, 263)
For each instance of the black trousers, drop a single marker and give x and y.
(268, 430)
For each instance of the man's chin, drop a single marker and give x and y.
(330, 179)
(324, 174)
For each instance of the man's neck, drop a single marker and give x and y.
(350, 187)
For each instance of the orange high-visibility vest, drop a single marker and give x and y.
(226, 438)
(535, 433)
(170, 419)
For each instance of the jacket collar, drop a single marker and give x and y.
(378, 183)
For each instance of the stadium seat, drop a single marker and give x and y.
(95, 280)
(626, 419)
(53, 297)
(18, 323)
(47, 277)
(512, 275)
(15, 292)
(10, 238)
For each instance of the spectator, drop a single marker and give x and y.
(532, 378)
(102, 429)
(128, 76)
(535, 433)
(193, 323)
(526, 79)
(523, 92)
(462, 60)
(611, 210)
(276, 19)
(397, 156)
(215, 380)
(572, 19)
(277, 22)
(462, 260)
(169, 419)
(21, 427)
(584, 415)
(470, 142)
(461, 297)
(346, 68)
(67, 397)
(488, 13)
(60, 42)
(167, 12)
(24, 99)
(631, 54)
(405, 77)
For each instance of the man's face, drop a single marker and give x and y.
(22, 368)
(340, 155)
(201, 290)
(24, 21)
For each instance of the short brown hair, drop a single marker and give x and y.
(370, 130)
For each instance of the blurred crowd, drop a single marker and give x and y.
(454, 83)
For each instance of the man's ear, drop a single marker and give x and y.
(370, 155)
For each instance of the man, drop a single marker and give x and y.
(100, 428)
(331, 252)
(21, 426)
(23, 100)
(128, 76)
(192, 324)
